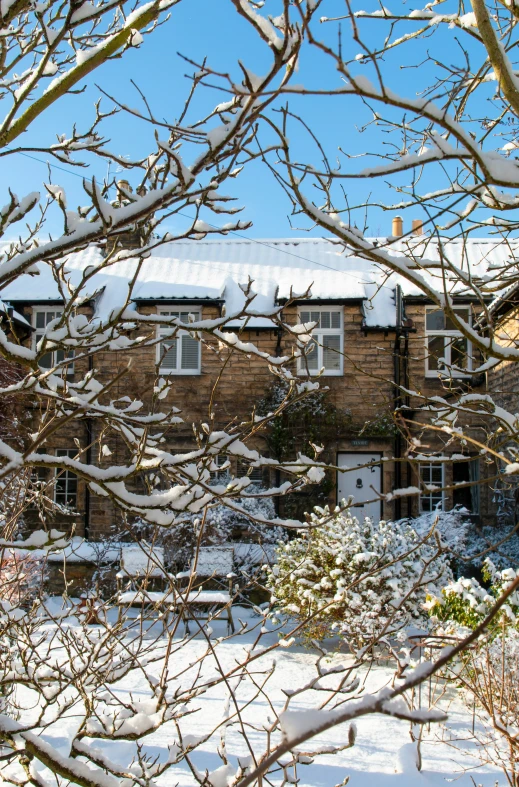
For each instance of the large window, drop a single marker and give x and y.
(40, 320)
(180, 354)
(445, 345)
(431, 486)
(327, 346)
(65, 488)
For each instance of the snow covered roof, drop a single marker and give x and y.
(213, 270)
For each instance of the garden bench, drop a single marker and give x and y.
(143, 581)
(212, 564)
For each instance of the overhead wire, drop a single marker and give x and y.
(233, 232)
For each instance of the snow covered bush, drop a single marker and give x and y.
(454, 527)
(467, 603)
(361, 580)
(21, 576)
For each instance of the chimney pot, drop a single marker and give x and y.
(123, 184)
(397, 229)
(417, 227)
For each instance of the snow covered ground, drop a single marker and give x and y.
(379, 758)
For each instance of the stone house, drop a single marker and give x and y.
(374, 337)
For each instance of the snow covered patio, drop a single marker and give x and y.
(382, 754)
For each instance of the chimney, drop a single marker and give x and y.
(417, 227)
(123, 184)
(397, 229)
(134, 236)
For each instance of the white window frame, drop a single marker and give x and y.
(448, 336)
(57, 311)
(162, 333)
(65, 476)
(319, 332)
(425, 495)
(219, 461)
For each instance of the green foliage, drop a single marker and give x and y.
(382, 426)
(467, 603)
(355, 579)
(313, 419)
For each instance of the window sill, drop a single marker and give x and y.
(177, 373)
(444, 376)
(304, 373)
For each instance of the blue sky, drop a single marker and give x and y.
(212, 28)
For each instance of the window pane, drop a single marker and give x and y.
(45, 361)
(436, 350)
(336, 319)
(168, 354)
(459, 354)
(311, 359)
(325, 320)
(462, 313)
(436, 474)
(190, 353)
(331, 352)
(40, 319)
(61, 355)
(304, 316)
(65, 490)
(435, 320)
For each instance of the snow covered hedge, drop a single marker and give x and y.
(356, 579)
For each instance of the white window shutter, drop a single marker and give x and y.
(312, 360)
(190, 353)
(331, 352)
(168, 354)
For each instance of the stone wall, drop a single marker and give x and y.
(364, 393)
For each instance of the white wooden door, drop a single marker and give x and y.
(360, 484)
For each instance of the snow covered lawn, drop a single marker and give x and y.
(382, 754)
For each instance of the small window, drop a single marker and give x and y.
(326, 349)
(431, 486)
(65, 487)
(180, 354)
(41, 318)
(445, 345)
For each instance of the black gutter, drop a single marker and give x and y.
(456, 299)
(181, 301)
(318, 301)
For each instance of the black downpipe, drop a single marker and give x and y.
(89, 433)
(277, 502)
(397, 399)
(407, 403)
